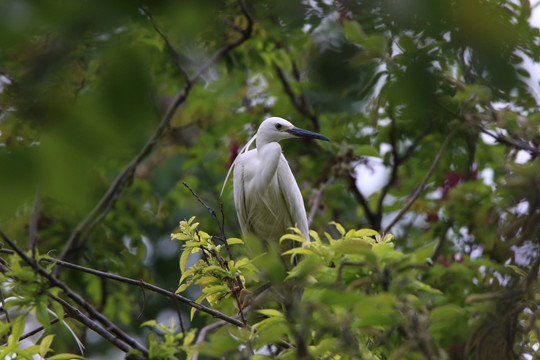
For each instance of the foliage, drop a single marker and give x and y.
(432, 109)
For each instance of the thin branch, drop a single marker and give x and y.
(33, 226)
(36, 330)
(237, 285)
(214, 216)
(420, 188)
(520, 144)
(516, 143)
(397, 161)
(91, 324)
(440, 242)
(316, 199)
(299, 102)
(110, 326)
(126, 176)
(205, 330)
(176, 57)
(148, 286)
(3, 303)
(374, 220)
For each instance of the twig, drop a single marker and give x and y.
(397, 161)
(91, 324)
(317, 199)
(33, 225)
(374, 219)
(119, 335)
(519, 144)
(237, 285)
(124, 178)
(3, 303)
(148, 286)
(176, 57)
(511, 142)
(205, 330)
(420, 188)
(299, 102)
(441, 241)
(36, 330)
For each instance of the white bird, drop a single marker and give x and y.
(266, 195)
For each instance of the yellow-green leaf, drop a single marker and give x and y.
(270, 312)
(339, 228)
(45, 345)
(234, 241)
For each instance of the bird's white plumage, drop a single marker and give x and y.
(266, 195)
(267, 207)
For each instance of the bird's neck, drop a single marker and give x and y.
(261, 141)
(269, 155)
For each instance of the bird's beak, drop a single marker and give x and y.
(306, 133)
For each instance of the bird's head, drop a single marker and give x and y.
(276, 129)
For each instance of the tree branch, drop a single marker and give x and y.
(176, 57)
(33, 225)
(148, 286)
(76, 314)
(420, 188)
(316, 200)
(126, 176)
(237, 285)
(110, 326)
(519, 144)
(299, 102)
(374, 220)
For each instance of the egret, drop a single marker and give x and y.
(266, 195)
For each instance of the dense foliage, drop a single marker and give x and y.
(119, 120)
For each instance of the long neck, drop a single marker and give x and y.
(269, 155)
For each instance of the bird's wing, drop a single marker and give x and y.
(293, 197)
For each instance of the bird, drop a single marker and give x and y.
(266, 196)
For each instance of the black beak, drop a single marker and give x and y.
(306, 133)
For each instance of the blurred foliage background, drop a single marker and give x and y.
(106, 107)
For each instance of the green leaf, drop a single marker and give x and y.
(65, 356)
(339, 228)
(354, 32)
(184, 258)
(517, 270)
(234, 241)
(42, 314)
(152, 323)
(293, 237)
(45, 345)
(367, 150)
(270, 312)
(17, 329)
(365, 232)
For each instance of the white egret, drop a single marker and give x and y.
(266, 195)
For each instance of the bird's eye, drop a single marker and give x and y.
(279, 126)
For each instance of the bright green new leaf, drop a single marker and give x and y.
(270, 312)
(45, 344)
